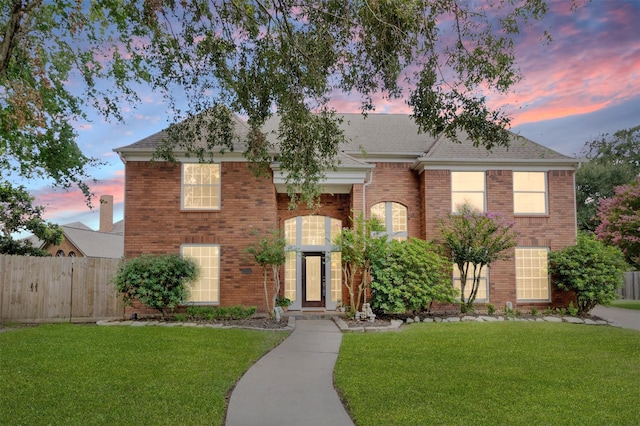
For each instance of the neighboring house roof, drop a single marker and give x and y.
(95, 244)
(118, 228)
(89, 242)
(396, 137)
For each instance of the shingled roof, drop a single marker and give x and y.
(380, 136)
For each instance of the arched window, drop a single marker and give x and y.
(60, 253)
(394, 219)
(72, 254)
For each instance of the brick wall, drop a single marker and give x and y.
(66, 246)
(155, 224)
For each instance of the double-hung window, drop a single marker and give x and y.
(468, 188)
(529, 193)
(393, 217)
(200, 186)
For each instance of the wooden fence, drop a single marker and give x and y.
(631, 288)
(58, 289)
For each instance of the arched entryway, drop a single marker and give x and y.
(313, 275)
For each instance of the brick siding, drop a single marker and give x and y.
(154, 222)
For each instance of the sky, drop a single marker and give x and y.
(584, 84)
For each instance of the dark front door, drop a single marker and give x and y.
(313, 280)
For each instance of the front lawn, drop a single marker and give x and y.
(88, 375)
(512, 373)
(627, 304)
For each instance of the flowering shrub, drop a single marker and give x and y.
(475, 240)
(620, 221)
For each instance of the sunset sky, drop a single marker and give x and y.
(587, 82)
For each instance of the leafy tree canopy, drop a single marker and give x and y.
(613, 160)
(17, 214)
(255, 57)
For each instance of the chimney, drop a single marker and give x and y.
(106, 213)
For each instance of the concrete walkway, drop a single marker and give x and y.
(292, 384)
(625, 318)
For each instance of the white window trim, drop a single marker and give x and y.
(212, 302)
(546, 194)
(182, 185)
(515, 265)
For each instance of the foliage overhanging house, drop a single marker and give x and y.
(409, 180)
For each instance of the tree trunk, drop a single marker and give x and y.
(266, 292)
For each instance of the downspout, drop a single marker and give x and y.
(364, 193)
(364, 211)
(575, 201)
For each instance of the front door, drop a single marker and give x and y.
(313, 280)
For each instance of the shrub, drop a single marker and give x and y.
(592, 270)
(159, 282)
(208, 313)
(410, 276)
(491, 309)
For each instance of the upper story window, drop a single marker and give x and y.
(200, 186)
(394, 218)
(467, 188)
(529, 193)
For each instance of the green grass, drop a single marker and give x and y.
(492, 374)
(627, 304)
(88, 375)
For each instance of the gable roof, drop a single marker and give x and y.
(393, 137)
(89, 242)
(95, 244)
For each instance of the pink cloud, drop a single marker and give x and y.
(60, 203)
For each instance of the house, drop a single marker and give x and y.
(409, 180)
(82, 241)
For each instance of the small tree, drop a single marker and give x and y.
(409, 277)
(268, 251)
(18, 214)
(159, 282)
(591, 269)
(358, 246)
(620, 221)
(475, 240)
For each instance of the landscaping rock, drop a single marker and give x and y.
(468, 318)
(396, 323)
(590, 321)
(453, 319)
(488, 318)
(573, 320)
(552, 319)
(427, 320)
(409, 320)
(416, 318)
